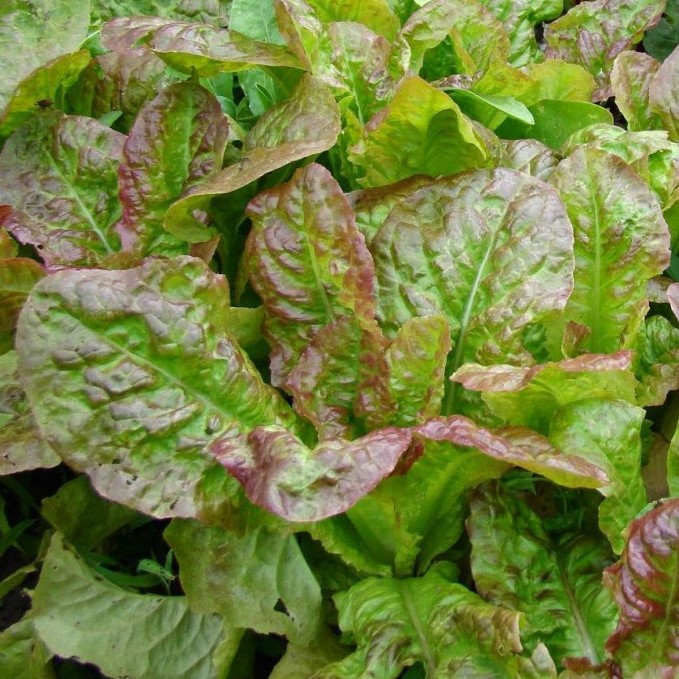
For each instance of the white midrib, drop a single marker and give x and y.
(595, 294)
(428, 656)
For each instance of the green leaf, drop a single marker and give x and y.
(592, 34)
(255, 19)
(17, 276)
(561, 81)
(658, 368)
(660, 40)
(661, 94)
(132, 375)
(554, 582)
(373, 14)
(478, 103)
(8, 246)
(421, 131)
(84, 518)
(124, 634)
(60, 175)
(315, 270)
(306, 124)
(643, 584)
(47, 84)
(520, 18)
(555, 121)
(621, 241)
(177, 140)
(22, 447)
(246, 578)
(31, 35)
(530, 396)
(441, 251)
(305, 661)
(430, 620)
(285, 477)
(208, 11)
(22, 654)
(607, 432)
(631, 79)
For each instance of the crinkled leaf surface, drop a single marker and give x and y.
(658, 367)
(60, 176)
(631, 79)
(421, 131)
(177, 139)
(22, 447)
(662, 94)
(560, 80)
(531, 157)
(131, 374)
(298, 660)
(23, 45)
(430, 620)
(256, 19)
(305, 125)
(519, 18)
(489, 250)
(621, 239)
(644, 585)
(308, 262)
(530, 396)
(285, 477)
(607, 432)
(125, 634)
(22, 654)
(207, 50)
(373, 14)
(593, 33)
(244, 577)
(555, 583)
(209, 11)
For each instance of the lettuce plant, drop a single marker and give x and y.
(363, 313)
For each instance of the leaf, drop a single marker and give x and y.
(658, 368)
(421, 131)
(621, 241)
(631, 78)
(520, 18)
(660, 40)
(125, 634)
(207, 11)
(177, 140)
(60, 175)
(555, 121)
(17, 276)
(82, 517)
(49, 82)
(484, 107)
(8, 246)
(530, 396)
(554, 581)
(475, 249)
(305, 125)
(531, 157)
(22, 447)
(340, 383)
(375, 15)
(430, 620)
(661, 94)
(255, 19)
(258, 580)
(607, 432)
(285, 477)
(561, 80)
(416, 361)
(517, 446)
(132, 374)
(22, 654)
(307, 660)
(22, 41)
(308, 263)
(207, 51)
(592, 34)
(642, 583)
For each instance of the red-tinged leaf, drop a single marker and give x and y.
(177, 139)
(662, 94)
(285, 477)
(308, 262)
(125, 33)
(340, 382)
(644, 584)
(517, 446)
(673, 298)
(631, 78)
(60, 175)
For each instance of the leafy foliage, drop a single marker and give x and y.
(339, 339)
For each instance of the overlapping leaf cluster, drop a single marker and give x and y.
(375, 302)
